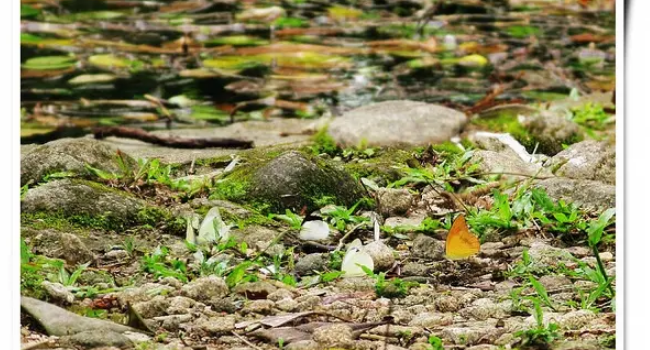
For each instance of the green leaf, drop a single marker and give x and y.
(331, 276)
(541, 291)
(596, 228)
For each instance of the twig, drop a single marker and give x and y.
(346, 235)
(245, 341)
(137, 134)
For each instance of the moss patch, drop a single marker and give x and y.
(508, 123)
(271, 183)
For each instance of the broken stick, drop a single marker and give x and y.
(177, 142)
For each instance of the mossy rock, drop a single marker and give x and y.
(72, 203)
(67, 155)
(291, 180)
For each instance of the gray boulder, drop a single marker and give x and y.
(60, 322)
(510, 165)
(584, 193)
(587, 160)
(397, 123)
(70, 155)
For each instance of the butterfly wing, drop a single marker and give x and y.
(461, 243)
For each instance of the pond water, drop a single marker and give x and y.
(201, 63)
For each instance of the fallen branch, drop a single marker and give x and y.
(176, 142)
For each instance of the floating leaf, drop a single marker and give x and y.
(474, 60)
(50, 63)
(92, 79)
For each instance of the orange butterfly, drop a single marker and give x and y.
(461, 243)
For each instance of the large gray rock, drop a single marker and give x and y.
(584, 193)
(293, 181)
(587, 160)
(395, 123)
(510, 165)
(70, 155)
(59, 322)
(78, 197)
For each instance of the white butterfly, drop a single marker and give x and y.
(354, 258)
(213, 228)
(314, 230)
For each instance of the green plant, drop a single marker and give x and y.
(393, 288)
(542, 334)
(294, 220)
(435, 343)
(339, 216)
(592, 116)
(159, 265)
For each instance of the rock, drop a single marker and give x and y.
(116, 255)
(58, 292)
(217, 325)
(580, 344)
(253, 235)
(397, 330)
(493, 162)
(397, 123)
(404, 222)
(501, 143)
(551, 130)
(287, 305)
(292, 181)
(428, 248)
(471, 335)
(180, 305)
(393, 201)
(543, 256)
(431, 320)
(555, 282)
(157, 306)
(382, 256)
(310, 263)
(587, 160)
(59, 322)
(447, 303)
(255, 290)
(61, 245)
(334, 335)
(172, 282)
(79, 197)
(205, 289)
(303, 345)
(583, 193)
(415, 269)
(280, 294)
(263, 307)
(93, 339)
(144, 292)
(485, 308)
(67, 155)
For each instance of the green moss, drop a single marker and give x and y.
(508, 123)
(384, 165)
(148, 217)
